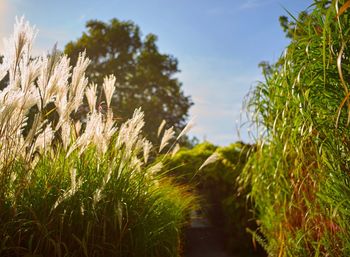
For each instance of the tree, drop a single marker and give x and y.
(291, 28)
(145, 77)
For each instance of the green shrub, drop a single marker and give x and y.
(299, 176)
(73, 187)
(134, 215)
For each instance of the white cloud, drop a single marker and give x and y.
(217, 87)
(216, 122)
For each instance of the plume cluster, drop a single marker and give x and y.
(67, 168)
(49, 84)
(40, 104)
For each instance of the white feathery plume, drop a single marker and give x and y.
(66, 134)
(211, 159)
(77, 127)
(79, 81)
(78, 98)
(130, 130)
(73, 176)
(107, 177)
(30, 99)
(12, 118)
(97, 196)
(168, 134)
(45, 88)
(79, 72)
(92, 130)
(161, 127)
(14, 101)
(43, 76)
(98, 137)
(29, 72)
(155, 168)
(187, 128)
(53, 79)
(63, 107)
(18, 46)
(109, 127)
(91, 96)
(93, 134)
(147, 145)
(25, 33)
(108, 88)
(51, 75)
(61, 74)
(4, 67)
(19, 95)
(135, 164)
(138, 147)
(175, 150)
(44, 139)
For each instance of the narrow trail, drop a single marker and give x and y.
(203, 240)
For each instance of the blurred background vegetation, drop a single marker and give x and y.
(222, 199)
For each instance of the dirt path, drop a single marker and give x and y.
(203, 240)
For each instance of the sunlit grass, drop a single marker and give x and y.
(77, 186)
(300, 173)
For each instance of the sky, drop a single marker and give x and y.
(218, 43)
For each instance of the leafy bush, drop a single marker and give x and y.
(299, 176)
(71, 187)
(224, 202)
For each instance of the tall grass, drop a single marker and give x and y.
(299, 176)
(77, 186)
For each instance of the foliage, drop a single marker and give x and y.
(299, 174)
(144, 76)
(130, 215)
(77, 189)
(225, 203)
(290, 27)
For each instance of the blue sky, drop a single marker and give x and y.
(218, 43)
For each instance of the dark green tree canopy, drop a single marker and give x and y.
(145, 77)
